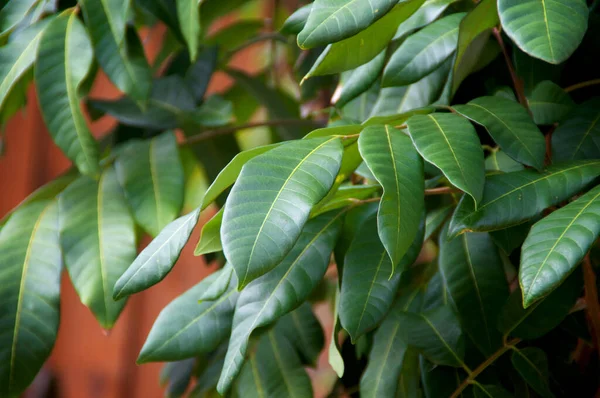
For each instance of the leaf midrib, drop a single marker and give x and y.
(332, 15)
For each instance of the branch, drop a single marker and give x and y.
(441, 191)
(591, 299)
(582, 85)
(517, 83)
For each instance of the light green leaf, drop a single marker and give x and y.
(279, 291)
(510, 126)
(295, 22)
(186, 328)
(14, 12)
(499, 161)
(549, 103)
(188, 14)
(578, 137)
(397, 118)
(271, 201)
(426, 14)
(31, 263)
(334, 20)
(532, 365)
(552, 30)
(397, 166)
(423, 52)
(97, 235)
(63, 61)
(451, 143)
(346, 196)
(334, 354)
(357, 81)
(151, 174)
(118, 51)
(526, 193)
(158, 258)
(557, 244)
(219, 286)
(474, 274)
(210, 236)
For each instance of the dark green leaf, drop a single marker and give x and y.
(549, 103)
(434, 219)
(359, 80)
(439, 381)
(578, 137)
(303, 330)
(210, 236)
(177, 377)
(491, 391)
(199, 73)
(295, 22)
(509, 239)
(532, 365)
(219, 286)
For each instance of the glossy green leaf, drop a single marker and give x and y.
(533, 71)
(158, 258)
(359, 80)
(14, 12)
(151, 174)
(219, 286)
(427, 13)
(549, 103)
(423, 52)
(509, 239)
(31, 263)
(271, 200)
(63, 61)
(510, 126)
(347, 196)
(295, 22)
(210, 236)
(396, 118)
(436, 333)
(435, 219)
(334, 352)
(532, 365)
(552, 30)
(578, 137)
(97, 235)
(451, 143)
(500, 161)
(304, 331)
(557, 244)
(512, 198)
(397, 166)
(188, 15)
(474, 274)
(186, 328)
(118, 51)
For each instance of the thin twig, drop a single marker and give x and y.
(517, 82)
(441, 191)
(582, 85)
(591, 299)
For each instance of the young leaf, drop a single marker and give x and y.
(334, 20)
(423, 52)
(271, 200)
(552, 29)
(158, 258)
(210, 236)
(397, 166)
(186, 328)
(63, 61)
(151, 174)
(97, 235)
(532, 365)
(556, 244)
(279, 291)
(510, 126)
(578, 137)
(31, 263)
(526, 193)
(188, 15)
(451, 143)
(549, 103)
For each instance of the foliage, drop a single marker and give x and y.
(440, 191)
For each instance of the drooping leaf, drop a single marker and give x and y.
(198, 75)
(63, 61)
(177, 376)
(188, 15)
(97, 235)
(397, 166)
(552, 30)
(510, 126)
(359, 80)
(423, 52)
(210, 236)
(158, 258)
(549, 103)
(186, 328)
(151, 174)
(578, 137)
(31, 263)
(427, 13)
(474, 274)
(271, 200)
(526, 193)
(532, 365)
(14, 12)
(284, 288)
(334, 352)
(556, 244)
(451, 143)
(165, 11)
(295, 22)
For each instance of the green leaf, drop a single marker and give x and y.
(351, 53)
(279, 291)
(434, 219)
(409, 383)
(210, 236)
(158, 258)
(510, 126)
(533, 71)
(397, 166)
(165, 11)
(552, 30)
(397, 118)
(219, 286)
(578, 137)
(295, 22)
(198, 75)
(177, 377)
(451, 143)
(526, 193)
(436, 333)
(474, 274)
(186, 328)
(439, 381)
(509, 239)
(14, 12)
(233, 37)
(423, 52)
(500, 161)
(549, 103)
(330, 21)
(334, 352)
(188, 15)
(118, 51)
(347, 196)
(557, 244)
(359, 80)
(151, 174)
(532, 365)
(31, 263)
(543, 315)
(63, 61)
(97, 235)
(303, 330)
(426, 14)
(491, 391)
(271, 200)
